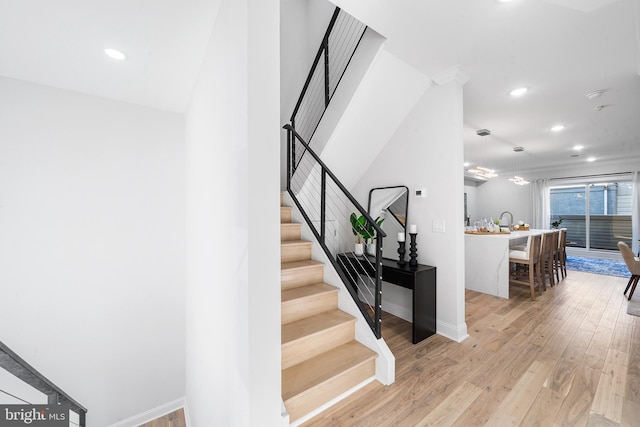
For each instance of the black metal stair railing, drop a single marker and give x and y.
(327, 207)
(22, 370)
(340, 41)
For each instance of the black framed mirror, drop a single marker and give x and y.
(392, 204)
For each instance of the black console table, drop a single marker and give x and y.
(421, 280)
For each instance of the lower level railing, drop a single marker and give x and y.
(605, 231)
(54, 396)
(351, 239)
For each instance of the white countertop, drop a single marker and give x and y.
(509, 236)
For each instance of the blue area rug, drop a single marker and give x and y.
(598, 266)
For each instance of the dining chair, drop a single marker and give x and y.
(524, 266)
(549, 249)
(633, 265)
(561, 255)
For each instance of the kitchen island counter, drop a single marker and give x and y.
(487, 260)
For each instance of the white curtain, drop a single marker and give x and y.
(635, 211)
(540, 209)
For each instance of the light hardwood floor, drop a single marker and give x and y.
(569, 358)
(173, 419)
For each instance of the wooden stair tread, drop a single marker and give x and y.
(290, 224)
(305, 291)
(299, 265)
(314, 324)
(312, 372)
(295, 242)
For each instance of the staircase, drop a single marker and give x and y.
(320, 358)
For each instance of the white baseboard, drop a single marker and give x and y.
(154, 413)
(447, 330)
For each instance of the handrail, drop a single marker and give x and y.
(322, 48)
(339, 43)
(18, 367)
(347, 265)
(338, 183)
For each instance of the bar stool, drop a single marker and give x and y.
(526, 265)
(562, 252)
(549, 248)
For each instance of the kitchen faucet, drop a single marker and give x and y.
(510, 218)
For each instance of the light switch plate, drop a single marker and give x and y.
(438, 226)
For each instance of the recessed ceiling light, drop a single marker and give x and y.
(578, 147)
(466, 164)
(591, 159)
(115, 54)
(519, 91)
(557, 128)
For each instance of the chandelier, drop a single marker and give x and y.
(518, 180)
(480, 171)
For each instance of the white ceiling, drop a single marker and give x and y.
(60, 43)
(560, 49)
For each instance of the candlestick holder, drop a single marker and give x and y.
(413, 251)
(401, 252)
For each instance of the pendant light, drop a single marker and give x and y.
(518, 180)
(480, 171)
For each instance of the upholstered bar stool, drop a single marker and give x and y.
(530, 260)
(633, 265)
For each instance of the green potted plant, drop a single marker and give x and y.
(363, 230)
(556, 224)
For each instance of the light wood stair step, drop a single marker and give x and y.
(312, 383)
(301, 273)
(305, 301)
(313, 335)
(290, 231)
(295, 250)
(285, 214)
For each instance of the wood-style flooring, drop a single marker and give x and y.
(569, 358)
(173, 419)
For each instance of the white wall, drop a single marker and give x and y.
(498, 195)
(92, 246)
(233, 282)
(426, 152)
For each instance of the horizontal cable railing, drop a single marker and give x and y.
(331, 61)
(605, 231)
(22, 370)
(338, 221)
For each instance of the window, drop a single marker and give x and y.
(596, 215)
